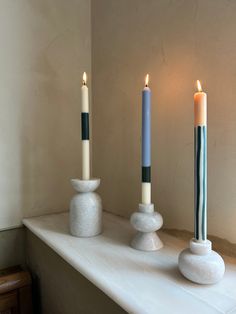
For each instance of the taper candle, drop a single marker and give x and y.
(200, 164)
(146, 143)
(199, 263)
(85, 130)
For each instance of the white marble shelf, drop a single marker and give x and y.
(143, 283)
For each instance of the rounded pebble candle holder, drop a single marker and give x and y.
(85, 209)
(146, 221)
(200, 264)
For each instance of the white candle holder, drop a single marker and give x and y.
(85, 209)
(200, 264)
(146, 221)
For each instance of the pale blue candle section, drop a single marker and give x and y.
(146, 127)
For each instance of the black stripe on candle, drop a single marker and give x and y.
(85, 125)
(146, 174)
(197, 182)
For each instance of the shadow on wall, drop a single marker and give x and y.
(222, 246)
(12, 248)
(46, 49)
(55, 53)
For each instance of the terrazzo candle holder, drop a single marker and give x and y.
(200, 264)
(85, 209)
(146, 221)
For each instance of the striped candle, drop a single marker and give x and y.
(200, 165)
(85, 130)
(146, 143)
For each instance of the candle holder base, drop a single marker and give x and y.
(85, 209)
(200, 264)
(146, 221)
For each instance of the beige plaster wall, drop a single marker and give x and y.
(176, 42)
(45, 47)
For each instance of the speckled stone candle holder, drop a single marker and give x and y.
(200, 264)
(85, 209)
(146, 221)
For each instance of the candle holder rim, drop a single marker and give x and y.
(87, 180)
(200, 247)
(85, 186)
(146, 208)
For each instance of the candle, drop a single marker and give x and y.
(146, 143)
(85, 130)
(200, 164)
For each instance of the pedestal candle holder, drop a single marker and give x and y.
(200, 264)
(146, 221)
(85, 209)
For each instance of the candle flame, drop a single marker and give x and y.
(147, 80)
(84, 78)
(199, 86)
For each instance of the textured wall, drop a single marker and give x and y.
(45, 47)
(176, 42)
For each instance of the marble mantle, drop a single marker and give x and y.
(140, 282)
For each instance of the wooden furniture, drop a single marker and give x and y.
(15, 291)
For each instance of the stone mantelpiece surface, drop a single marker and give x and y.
(140, 282)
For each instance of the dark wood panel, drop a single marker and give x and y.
(14, 281)
(9, 303)
(15, 291)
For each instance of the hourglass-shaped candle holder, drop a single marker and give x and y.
(85, 209)
(146, 221)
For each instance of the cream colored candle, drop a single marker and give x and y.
(146, 193)
(85, 130)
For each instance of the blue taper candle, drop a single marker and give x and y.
(146, 143)
(200, 165)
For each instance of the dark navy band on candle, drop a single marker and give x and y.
(146, 174)
(85, 125)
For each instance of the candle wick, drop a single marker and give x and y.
(146, 85)
(84, 83)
